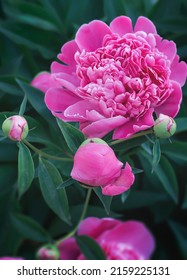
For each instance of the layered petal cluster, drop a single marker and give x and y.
(119, 240)
(95, 164)
(114, 77)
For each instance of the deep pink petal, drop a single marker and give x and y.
(172, 104)
(67, 81)
(58, 99)
(133, 126)
(57, 67)
(93, 227)
(69, 249)
(166, 47)
(67, 54)
(43, 81)
(121, 25)
(90, 36)
(133, 235)
(83, 110)
(102, 127)
(121, 184)
(178, 71)
(144, 24)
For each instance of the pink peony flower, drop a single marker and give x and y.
(95, 164)
(119, 240)
(15, 127)
(10, 258)
(114, 77)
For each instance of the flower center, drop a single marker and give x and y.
(126, 76)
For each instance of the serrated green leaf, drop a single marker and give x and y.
(90, 248)
(156, 154)
(72, 135)
(50, 179)
(25, 169)
(29, 228)
(105, 200)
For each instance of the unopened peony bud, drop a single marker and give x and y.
(16, 128)
(93, 140)
(48, 252)
(164, 126)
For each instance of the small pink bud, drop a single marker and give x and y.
(164, 126)
(16, 128)
(48, 252)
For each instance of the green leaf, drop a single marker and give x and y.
(181, 124)
(136, 170)
(23, 106)
(36, 99)
(156, 154)
(90, 248)
(105, 200)
(25, 169)
(180, 233)
(121, 145)
(65, 184)
(164, 173)
(184, 204)
(29, 228)
(124, 196)
(50, 179)
(176, 151)
(72, 135)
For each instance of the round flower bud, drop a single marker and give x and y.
(164, 126)
(48, 252)
(93, 140)
(16, 128)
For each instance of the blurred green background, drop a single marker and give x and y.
(31, 35)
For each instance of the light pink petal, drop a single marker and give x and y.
(58, 99)
(172, 104)
(90, 36)
(66, 80)
(83, 110)
(68, 51)
(57, 67)
(102, 127)
(69, 249)
(121, 25)
(166, 47)
(133, 126)
(134, 235)
(144, 24)
(93, 227)
(121, 184)
(178, 71)
(43, 81)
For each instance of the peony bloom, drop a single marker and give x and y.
(119, 240)
(95, 164)
(15, 127)
(114, 77)
(164, 126)
(10, 258)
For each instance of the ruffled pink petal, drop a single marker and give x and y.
(144, 24)
(43, 81)
(133, 126)
(93, 227)
(67, 81)
(69, 249)
(90, 36)
(67, 54)
(58, 99)
(134, 235)
(57, 67)
(121, 184)
(102, 127)
(121, 25)
(172, 104)
(178, 71)
(83, 110)
(166, 47)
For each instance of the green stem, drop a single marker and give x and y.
(43, 154)
(80, 219)
(134, 136)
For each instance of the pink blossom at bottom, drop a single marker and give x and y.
(119, 240)
(113, 78)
